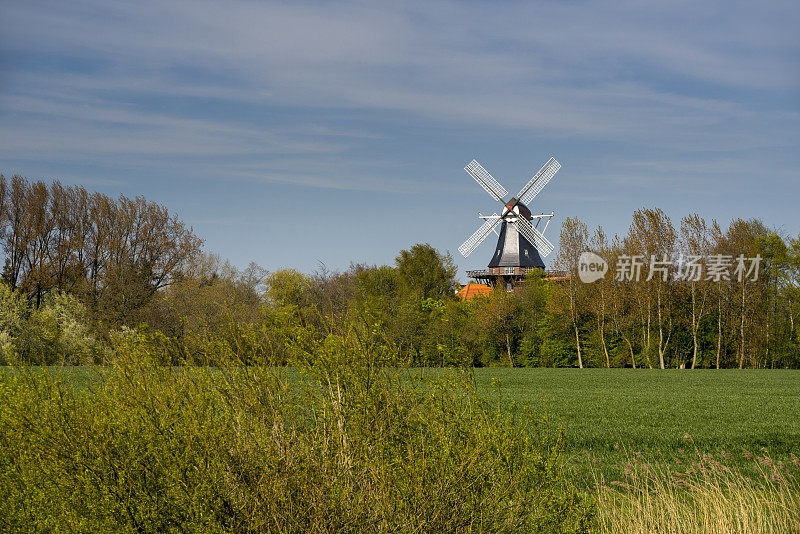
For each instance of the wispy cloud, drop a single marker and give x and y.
(533, 58)
(350, 97)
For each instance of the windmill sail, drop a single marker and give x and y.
(539, 180)
(486, 180)
(533, 235)
(477, 238)
(520, 246)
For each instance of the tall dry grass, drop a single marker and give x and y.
(703, 495)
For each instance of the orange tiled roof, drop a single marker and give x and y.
(473, 290)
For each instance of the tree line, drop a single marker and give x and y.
(113, 254)
(721, 297)
(83, 270)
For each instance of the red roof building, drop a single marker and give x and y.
(473, 290)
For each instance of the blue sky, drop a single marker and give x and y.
(293, 134)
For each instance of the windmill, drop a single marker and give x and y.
(520, 244)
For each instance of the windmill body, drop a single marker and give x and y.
(520, 244)
(513, 250)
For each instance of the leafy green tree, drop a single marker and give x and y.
(497, 318)
(288, 287)
(376, 281)
(533, 298)
(426, 271)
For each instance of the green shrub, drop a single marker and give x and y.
(13, 315)
(59, 333)
(338, 443)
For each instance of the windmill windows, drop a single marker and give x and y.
(510, 270)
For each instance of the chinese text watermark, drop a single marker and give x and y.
(691, 268)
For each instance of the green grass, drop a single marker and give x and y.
(611, 414)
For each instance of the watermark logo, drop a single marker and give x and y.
(591, 267)
(713, 268)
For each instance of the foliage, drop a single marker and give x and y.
(336, 444)
(13, 315)
(79, 266)
(112, 254)
(656, 322)
(426, 271)
(56, 332)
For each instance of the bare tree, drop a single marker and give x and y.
(601, 290)
(695, 243)
(115, 252)
(572, 242)
(653, 237)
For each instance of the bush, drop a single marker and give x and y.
(13, 315)
(338, 443)
(59, 332)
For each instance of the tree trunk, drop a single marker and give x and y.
(578, 345)
(630, 349)
(574, 314)
(719, 325)
(603, 327)
(741, 333)
(661, 346)
(646, 337)
(694, 329)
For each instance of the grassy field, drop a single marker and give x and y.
(674, 451)
(611, 414)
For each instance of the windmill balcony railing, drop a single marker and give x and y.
(511, 271)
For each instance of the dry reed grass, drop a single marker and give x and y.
(702, 495)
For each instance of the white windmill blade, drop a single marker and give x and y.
(486, 180)
(477, 238)
(533, 235)
(539, 180)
